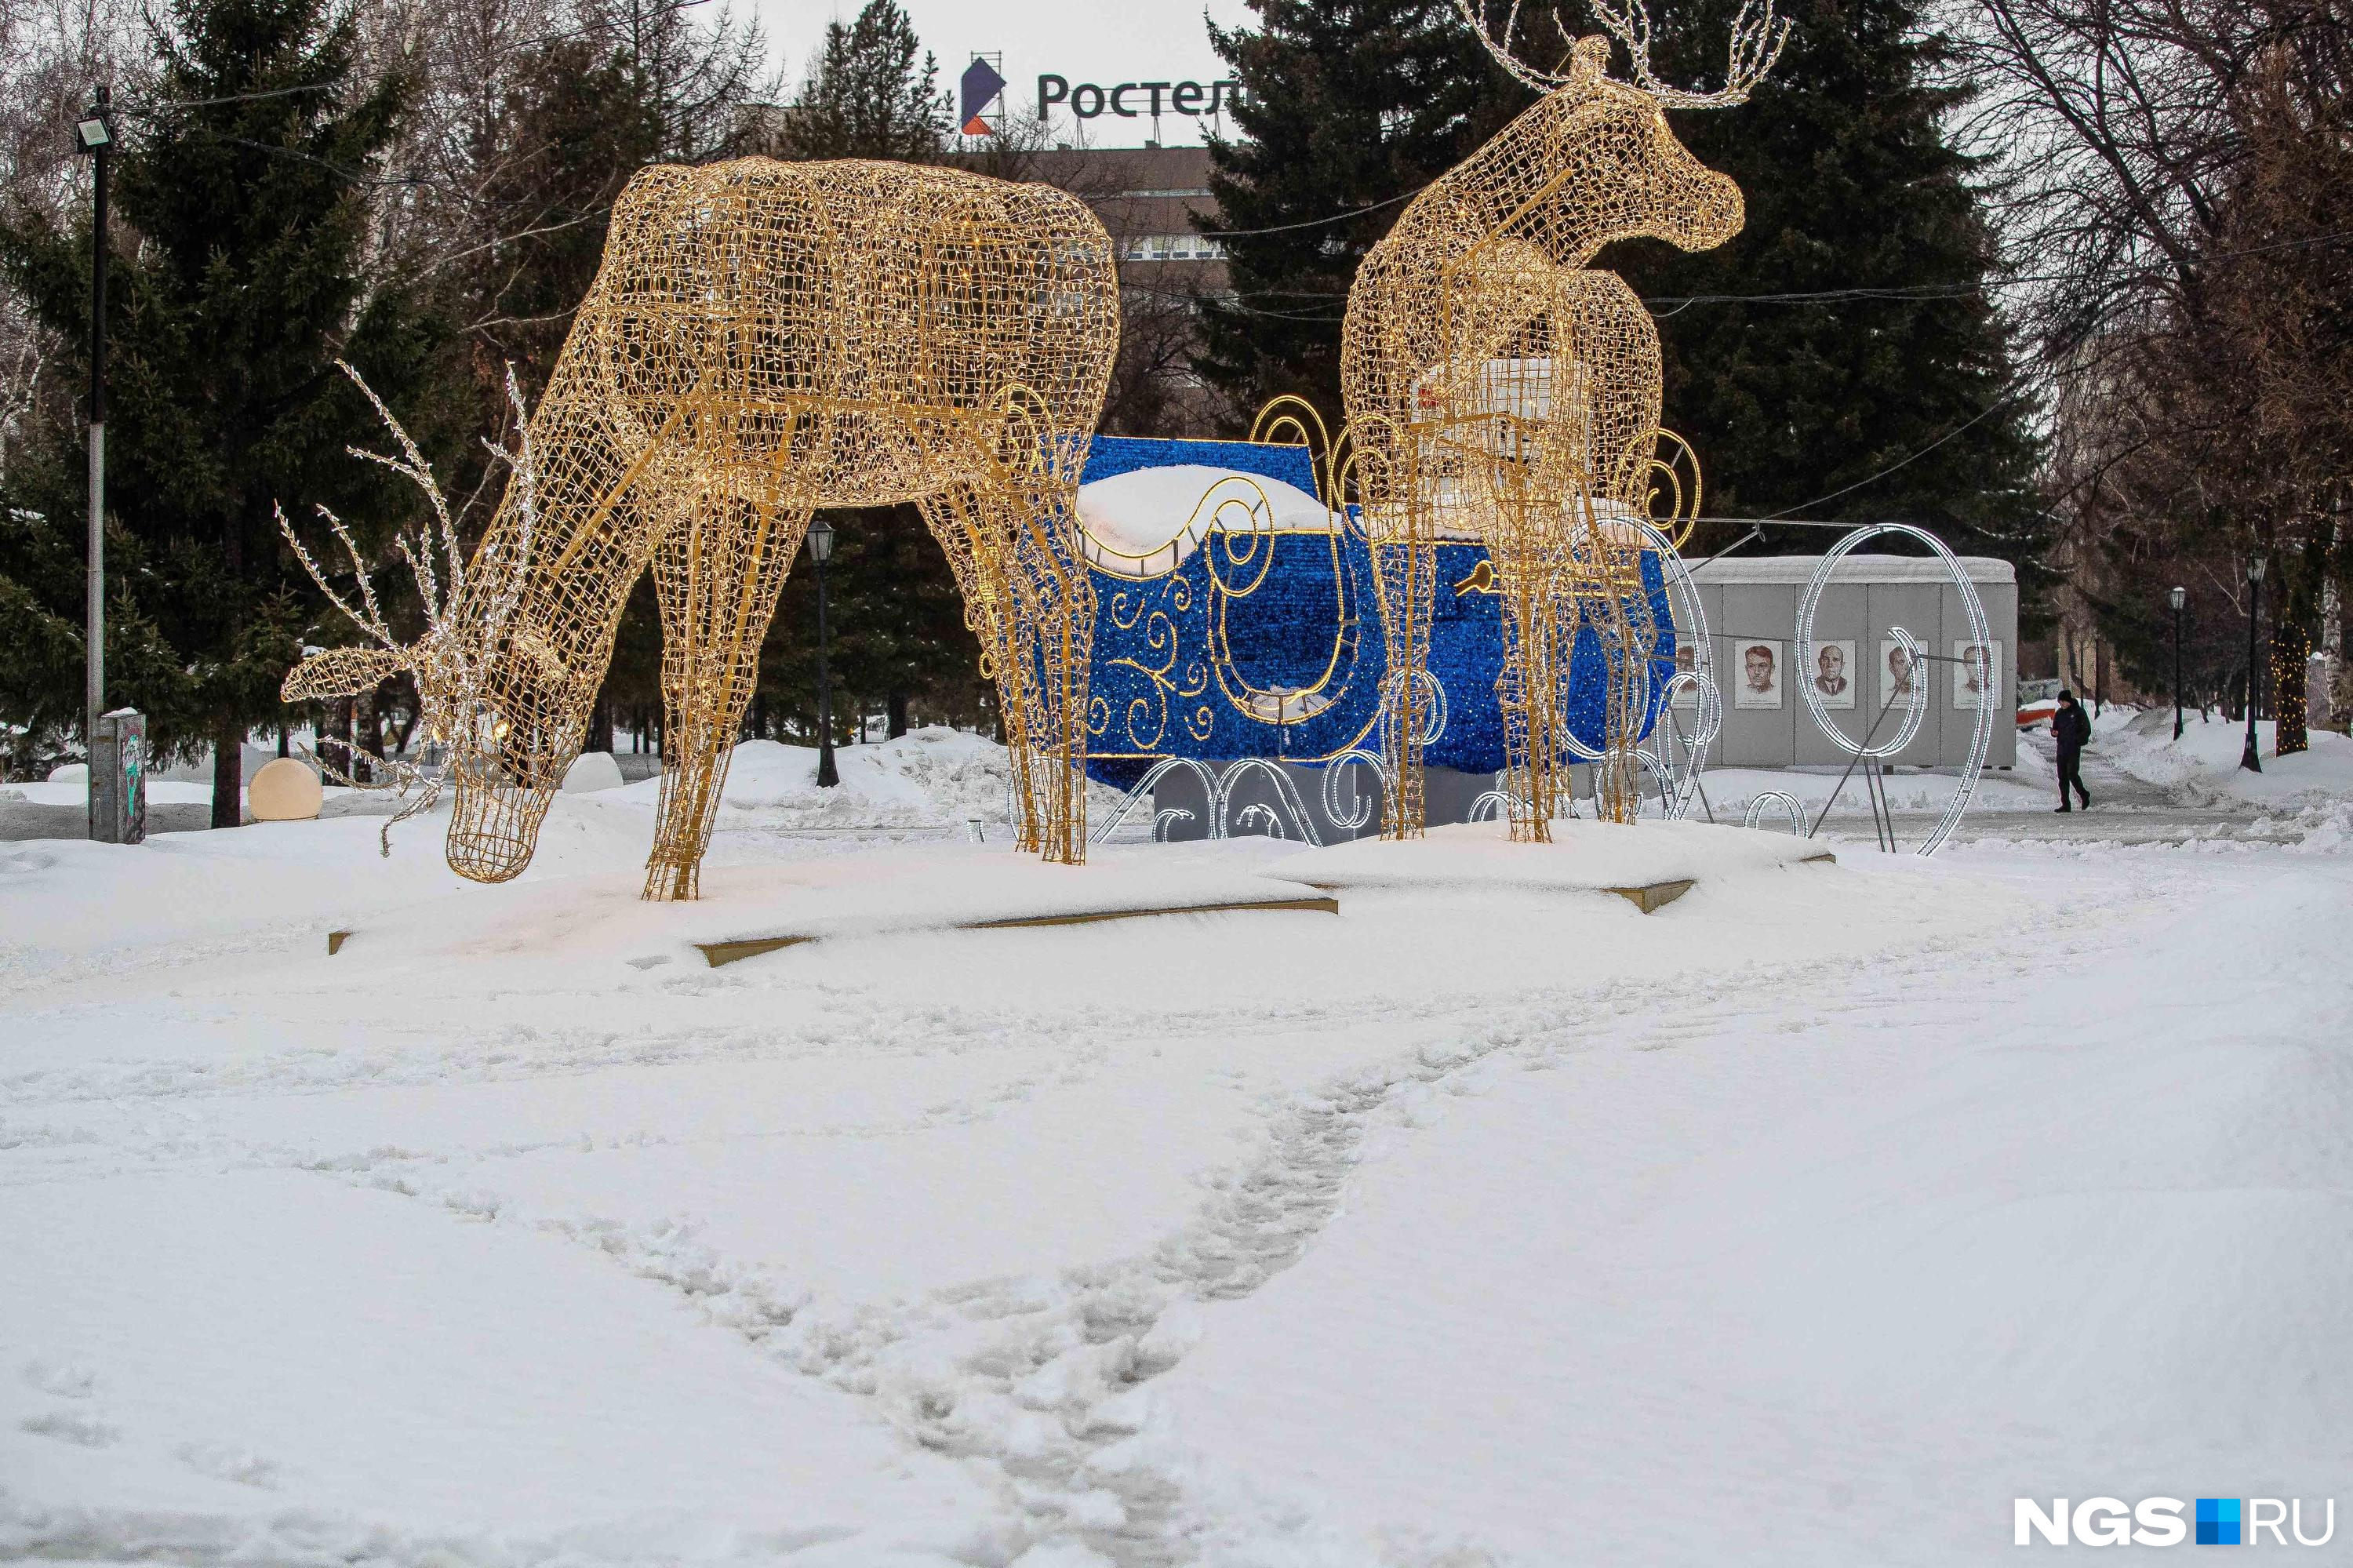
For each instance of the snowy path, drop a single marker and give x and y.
(2110, 785)
(1400, 1237)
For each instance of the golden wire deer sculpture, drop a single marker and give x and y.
(764, 339)
(1499, 389)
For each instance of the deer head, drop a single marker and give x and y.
(472, 628)
(1593, 160)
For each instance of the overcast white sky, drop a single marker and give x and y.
(1103, 41)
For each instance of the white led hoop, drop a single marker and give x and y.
(1788, 802)
(1981, 739)
(1143, 787)
(1221, 803)
(1348, 821)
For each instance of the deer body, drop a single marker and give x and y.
(764, 339)
(1500, 388)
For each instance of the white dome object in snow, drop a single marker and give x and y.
(283, 790)
(1147, 523)
(591, 771)
(71, 773)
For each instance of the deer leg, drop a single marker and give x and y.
(1527, 689)
(1406, 569)
(976, 555)
(717, 575)
(1027, 598)
(1061, 630)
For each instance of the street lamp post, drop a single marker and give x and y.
(820, 549)
(94, 137)
(2247, 759)
(2179, 597)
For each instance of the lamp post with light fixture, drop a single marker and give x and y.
(2177, 597)
(820, 549)
(2247, 759)
(94, 138)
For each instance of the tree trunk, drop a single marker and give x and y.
(2339, 695)
(334, 723)
(364, 744)
(896, 724)
(412, 708)
(228, 774)
(2291, 657)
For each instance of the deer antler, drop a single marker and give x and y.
(449, 667)
(1522, 72)
(1758, 36)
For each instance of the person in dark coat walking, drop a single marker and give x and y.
(2071, 729)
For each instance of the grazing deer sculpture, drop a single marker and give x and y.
(1500, 388)
(764, 339)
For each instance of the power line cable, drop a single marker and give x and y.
(1982, 414)
(1316, 222)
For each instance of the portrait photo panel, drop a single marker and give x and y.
(1834, 674)
(1895, 674)
(1757, 674)
(1977, 668)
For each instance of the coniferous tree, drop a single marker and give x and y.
(1351, 106)
(1858, 370)
(1852, 193)
(242, 200)
(576, 127)
(866, 96)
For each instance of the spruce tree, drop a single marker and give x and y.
(1349, 105)
(576, 127)
(243, 196)
(1852, 193)
(867, 98)
(1875, 344)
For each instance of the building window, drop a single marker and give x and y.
(1173, 247)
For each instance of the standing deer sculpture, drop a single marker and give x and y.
(764, 339)
(1499, 387)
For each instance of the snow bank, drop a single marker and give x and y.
(2027, 788)
(2203, 765)
(933, 778)
(74, 789)
(1584, 856)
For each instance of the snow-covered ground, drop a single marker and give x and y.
(934, 779)
(2028, 786)
(2203, 766)
(1809, 1219)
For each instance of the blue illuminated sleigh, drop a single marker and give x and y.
(1266, 641)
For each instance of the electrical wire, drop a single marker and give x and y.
(1317, 222)
(1987, 412)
